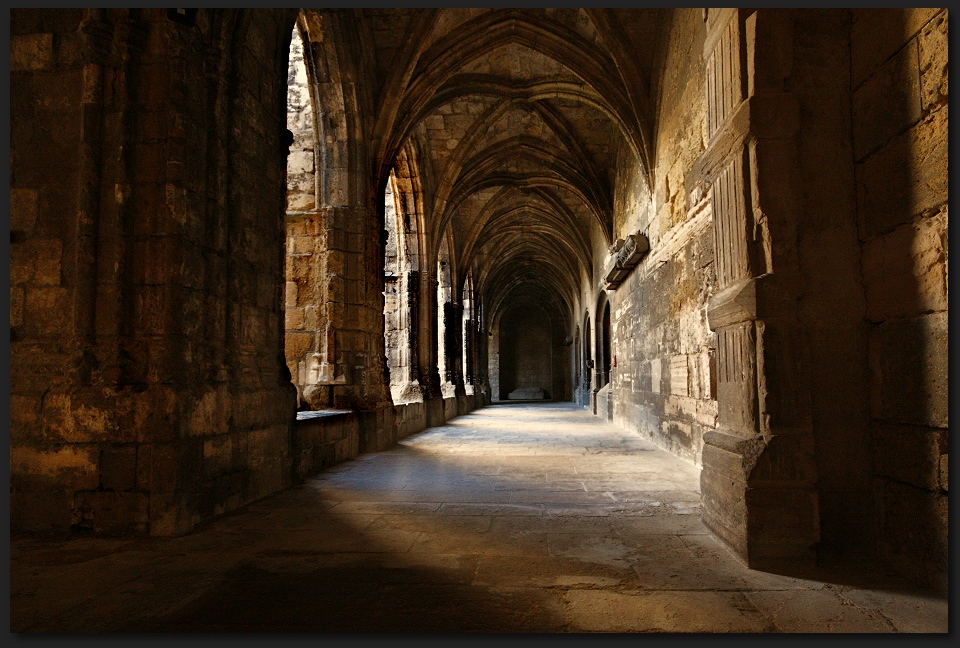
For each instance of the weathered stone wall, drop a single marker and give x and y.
(319, 443)
(661, 386)
(306, 297)
(899, 86)
(146, 316)
(51, 233)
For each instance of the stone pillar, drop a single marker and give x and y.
(429, 368)
(493, 364)
(469, 371)
(453, 344)
(759, 476)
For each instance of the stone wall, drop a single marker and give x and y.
(899, 86)
(146, 320)
(306, 296)
(662, 385)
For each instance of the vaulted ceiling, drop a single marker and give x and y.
(518, 119)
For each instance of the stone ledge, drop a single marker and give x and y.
(315, 414)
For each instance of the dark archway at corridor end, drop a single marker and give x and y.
(526, 354)
(532, 347)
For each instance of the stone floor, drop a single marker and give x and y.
(516, 518)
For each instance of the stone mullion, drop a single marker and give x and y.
(449, 342)
(375, 383)
(469, 346)
(757, 465)
(428, 347)
(459, 368)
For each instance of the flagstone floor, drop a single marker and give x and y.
(514, 518)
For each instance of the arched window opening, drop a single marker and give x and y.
(301, 306)
(393, 307)
(301, 179)
(401, 308)
(307, 335)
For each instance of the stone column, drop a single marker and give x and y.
(468, 351)
(427, 334)
(453, 343)
(759, 477)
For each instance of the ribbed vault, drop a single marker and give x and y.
(519, 118)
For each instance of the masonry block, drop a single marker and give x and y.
(69, 467)
(298, 344)
(783, 525)
(909, 454)
(156, 415)
(31, 53)
(48, 311)
(934, 53)
(23, 209)
(41, 510)
(914, 529)
(118, 467)
(909, 363)
(269, 443)
(111, 513)
(24, 416)
(157, 468)
(80, 417)
(904, 271)
(905, 178)
(876, 34)
(36, 261)
(887, 103)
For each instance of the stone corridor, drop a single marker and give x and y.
(514, 518)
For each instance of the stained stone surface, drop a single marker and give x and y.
(519, 518)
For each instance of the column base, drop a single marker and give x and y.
(758, 498)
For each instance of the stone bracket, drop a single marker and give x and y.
(624, 259)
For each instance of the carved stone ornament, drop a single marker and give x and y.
(624, 259)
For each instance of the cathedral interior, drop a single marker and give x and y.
(259, 255)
